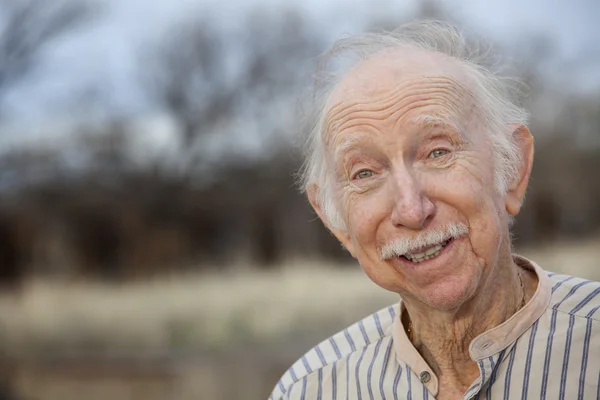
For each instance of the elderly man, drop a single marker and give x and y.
(418, 162)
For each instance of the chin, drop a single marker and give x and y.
(448, 294)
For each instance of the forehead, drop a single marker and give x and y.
(387, 68)
(400, 79)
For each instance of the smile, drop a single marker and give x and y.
(427, 253)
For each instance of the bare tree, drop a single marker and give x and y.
(26, 29)
(190, 69)
(193, 77)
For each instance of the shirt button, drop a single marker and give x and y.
(424, 377)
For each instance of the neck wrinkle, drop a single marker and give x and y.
(486, 344)
(444, 340)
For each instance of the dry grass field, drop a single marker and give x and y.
(195, 337)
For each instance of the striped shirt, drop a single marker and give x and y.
(550, 349)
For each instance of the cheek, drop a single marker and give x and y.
(476, 200)
(469, 182)
(365, 213)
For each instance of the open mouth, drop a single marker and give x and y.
(426, 253)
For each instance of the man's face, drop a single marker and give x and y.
(411, 156)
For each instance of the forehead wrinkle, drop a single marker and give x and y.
(438, 90)
(398, 116)
(370, 101)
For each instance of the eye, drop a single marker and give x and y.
(438, 153)
(365, 173)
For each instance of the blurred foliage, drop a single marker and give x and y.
(27, 28)
(99, 204)
(212, 187)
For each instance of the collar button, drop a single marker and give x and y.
(424, 377)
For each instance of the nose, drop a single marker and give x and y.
(412, 208)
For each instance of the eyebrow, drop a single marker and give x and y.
(350, 141)
(347, 143)
(431, 120)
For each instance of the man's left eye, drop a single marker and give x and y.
(365, 173)
(437, 153)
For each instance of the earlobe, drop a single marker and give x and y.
(313, 197)
(515, 195)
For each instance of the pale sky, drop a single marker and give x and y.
(105, 55)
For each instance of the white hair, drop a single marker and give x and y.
(495, 96)
(401, 246)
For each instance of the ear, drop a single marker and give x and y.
(313, 197)
(515, 195)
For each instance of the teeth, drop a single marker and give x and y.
(432, 252)
(433, 249)
(419, 255)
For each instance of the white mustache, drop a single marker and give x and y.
(401, 246)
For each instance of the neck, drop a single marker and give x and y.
(443, 337)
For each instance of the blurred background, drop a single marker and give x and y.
(152, 242)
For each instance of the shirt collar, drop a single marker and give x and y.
(408, 354)
(488, 343)
(503, 335)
